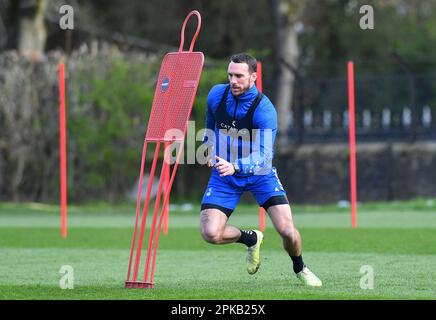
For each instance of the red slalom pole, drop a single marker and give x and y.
(352, 136)
(63, 150)
(165, 201)
(260, 88)
(145, 213)
(138, 206)
(166, 211)
(259, 77)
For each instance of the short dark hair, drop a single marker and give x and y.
(245, 58)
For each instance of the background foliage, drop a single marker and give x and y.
(109, 97)
(113, 57)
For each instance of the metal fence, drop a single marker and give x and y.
(388, 107)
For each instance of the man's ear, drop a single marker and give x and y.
(253, 76)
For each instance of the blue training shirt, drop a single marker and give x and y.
(256, 159)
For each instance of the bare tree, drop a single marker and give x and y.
(3, 32)
(286, 17)
(33, 33)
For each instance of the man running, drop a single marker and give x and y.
(242, 125)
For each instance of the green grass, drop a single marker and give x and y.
(398, 240)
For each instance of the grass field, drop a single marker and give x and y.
(398, 240)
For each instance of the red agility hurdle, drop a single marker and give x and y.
(173, 100)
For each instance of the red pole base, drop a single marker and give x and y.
(139, 285)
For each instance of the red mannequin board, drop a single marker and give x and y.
(172, 105)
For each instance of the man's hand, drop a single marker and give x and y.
(224, 167)
(209, 155)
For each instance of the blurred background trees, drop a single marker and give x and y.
(114, 53)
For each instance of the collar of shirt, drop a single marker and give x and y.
(244, 102)
(247, 96)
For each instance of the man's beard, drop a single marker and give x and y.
(240, 89)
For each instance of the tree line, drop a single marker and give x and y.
(114, 52)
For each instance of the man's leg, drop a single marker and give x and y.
(215, 230)
(214, 227)
(281, 218)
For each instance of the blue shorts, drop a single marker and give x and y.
(223, 193)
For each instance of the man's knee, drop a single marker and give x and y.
(211, 235)
(212, 226)
(290, 233)
(282, 219)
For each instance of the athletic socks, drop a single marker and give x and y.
(248, 237)
(298, 263)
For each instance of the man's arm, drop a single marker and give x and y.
(224, 167)
(209, 138)
(210, 120)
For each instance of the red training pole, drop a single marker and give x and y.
(352, 136)
(145, 213)
(154, 220)
(63, 150)
(259, 77)
(165, 202)
(138, 206)
(166, 211)
(260, 88)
